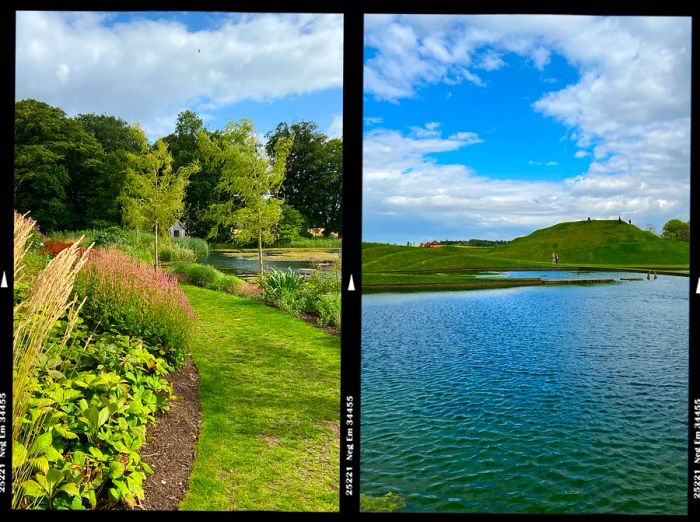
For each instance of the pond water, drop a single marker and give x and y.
(560, 399)
(247, 264)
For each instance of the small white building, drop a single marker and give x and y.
(177, 229)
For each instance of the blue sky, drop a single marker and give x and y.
(146, 67)
(493, 126)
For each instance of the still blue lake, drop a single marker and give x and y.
(545, 399)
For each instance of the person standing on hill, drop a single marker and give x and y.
(554, 257)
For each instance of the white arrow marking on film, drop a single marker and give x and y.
(697, 290)
(4, 280)
(351, 285)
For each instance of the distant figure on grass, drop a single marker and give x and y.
(619, 220)
(589, 219)
(630, 221)
(554, 257)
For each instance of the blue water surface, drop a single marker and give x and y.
(561, 399)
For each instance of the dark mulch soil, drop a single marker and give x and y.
(170, 443)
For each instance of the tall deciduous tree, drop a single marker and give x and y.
(677, 229)
(314, 174)
(55, 159)
(154, 192)
(251, 179)
(117, 140)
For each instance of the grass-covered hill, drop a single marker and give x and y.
(580, 243)
(597, 242)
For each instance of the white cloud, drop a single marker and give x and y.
(406, 187)
(372, 120)
(630, 105)
(335, 130)
(150, 70)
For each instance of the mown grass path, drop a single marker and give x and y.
(270, 388)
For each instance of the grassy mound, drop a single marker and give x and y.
(598, 242)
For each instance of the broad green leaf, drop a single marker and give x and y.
(71, 489)
(103, 416)
(33, 489)
(41, 443)
(96, 453)
(52, 454)
(64, 432)
(116, 469)
(90, 495)
(40, 463)
(113, 494)
(19, 455)
(54, 476)
(77, 503)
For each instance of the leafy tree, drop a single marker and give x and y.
(251, 179)
(154, 192)
(117, 140)
(291, 223)
(185, 147)
(314, 173)
(55, 161)
(677, 229)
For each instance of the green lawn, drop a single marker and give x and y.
(270, 391)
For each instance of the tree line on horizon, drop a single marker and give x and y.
(80, 172)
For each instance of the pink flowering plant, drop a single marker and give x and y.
(130, 297)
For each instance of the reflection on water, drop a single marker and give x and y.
(246, 263)
(556, 399)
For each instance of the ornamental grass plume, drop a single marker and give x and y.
(131, 297)
(48, 299)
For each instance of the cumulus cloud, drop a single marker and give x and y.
(629, 109)
(405, 186)
(149, 70)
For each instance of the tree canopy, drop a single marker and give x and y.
(314, 174)
(154, 192)
(79, 172)
(676, 229)
(251, 179)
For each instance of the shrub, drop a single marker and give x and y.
(207, 276)
(130, 297)
(175, 252)
(328, 307)
(38, 307)
(278, 284)
(199, 246)
(110, 236)
(97, 393)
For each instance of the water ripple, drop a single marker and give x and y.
(528, 400)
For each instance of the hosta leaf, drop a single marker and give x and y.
(41, 443)
(33, 489)
(19, 454)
